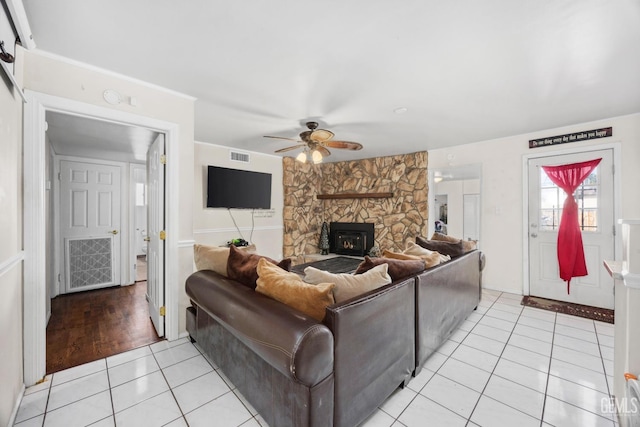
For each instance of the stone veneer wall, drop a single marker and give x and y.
(396, 220)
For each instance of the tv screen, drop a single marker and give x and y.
(234, 188)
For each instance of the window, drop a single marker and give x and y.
(552, 199)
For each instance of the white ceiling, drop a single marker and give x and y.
(465, 70)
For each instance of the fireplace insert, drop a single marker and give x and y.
(351, 238)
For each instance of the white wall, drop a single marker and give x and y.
(66, 79)
(215, 226)
(502, 189)
(11, 256)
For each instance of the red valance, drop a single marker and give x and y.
(570, 250)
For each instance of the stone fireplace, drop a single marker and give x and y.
(351, 238)
(397, 217)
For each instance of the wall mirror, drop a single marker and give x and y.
(455, 200)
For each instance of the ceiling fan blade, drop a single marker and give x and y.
(281, 137)
(321, 135)
(344, 145)
(282, 150)
(324, 151)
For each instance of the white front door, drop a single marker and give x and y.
(595, 209)
(155, 227)
(89, 225)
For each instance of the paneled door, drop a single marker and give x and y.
(596, 218)
(89, 225)
(156, 233)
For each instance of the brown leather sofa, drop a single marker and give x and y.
(296, 371)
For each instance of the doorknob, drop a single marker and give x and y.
(147, 239)
(114, 232)
(534, 235)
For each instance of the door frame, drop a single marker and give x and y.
(617, 198)
(34, 217)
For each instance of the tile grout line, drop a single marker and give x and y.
(492, 373)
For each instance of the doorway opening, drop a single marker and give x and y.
(36, 181)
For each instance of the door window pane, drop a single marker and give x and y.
(552, 199)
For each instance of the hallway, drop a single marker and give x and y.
(92, 325)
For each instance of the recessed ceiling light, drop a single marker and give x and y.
(400, 110)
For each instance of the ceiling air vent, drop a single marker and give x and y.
(237, 156)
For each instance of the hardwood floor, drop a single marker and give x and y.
(92, 325)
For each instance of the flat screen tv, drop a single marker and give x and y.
(240, 189)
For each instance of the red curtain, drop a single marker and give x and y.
(570, 250)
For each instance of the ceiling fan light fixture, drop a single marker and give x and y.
(302, 157)
(316, 156)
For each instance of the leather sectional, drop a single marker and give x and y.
(296, 371)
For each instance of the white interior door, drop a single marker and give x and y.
(89, 225)
(155, 227)
(596, 217)
(471, 216)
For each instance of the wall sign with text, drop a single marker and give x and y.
(571, 137)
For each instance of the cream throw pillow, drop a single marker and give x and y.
(398, 255)
(350, 285)
(431, 258)
(290, 289)
(468, 245)
(215, 257)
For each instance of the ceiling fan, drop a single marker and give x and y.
(314, 143)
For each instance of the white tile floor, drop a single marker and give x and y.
(505, 366)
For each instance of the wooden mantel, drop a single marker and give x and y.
(354, 196)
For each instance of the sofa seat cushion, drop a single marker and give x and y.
(215, 258)
(242, 266)
(290, 289)
(349, 285)
(398, 268)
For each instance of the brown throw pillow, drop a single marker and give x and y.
(215, 257)
(398, 255)
(446, 248)
(468, 245)
(241, 266)
(398, 268)
(349, 285)
(289, 289)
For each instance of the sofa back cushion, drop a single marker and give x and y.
(290, 289)
(349, 285)
(242, 266)
(215, 257)
(398, 268)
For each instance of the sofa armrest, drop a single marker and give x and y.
(295, 344)
(374, 338)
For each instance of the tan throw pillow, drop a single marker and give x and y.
(215, 257)
(468, 245)
(398, 268)
(290, 289)
(349, 285)
(431, 258)
(241, 266)
(398, 255)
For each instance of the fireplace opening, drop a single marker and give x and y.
(351, 238)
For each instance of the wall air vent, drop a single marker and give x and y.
(237, 156)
